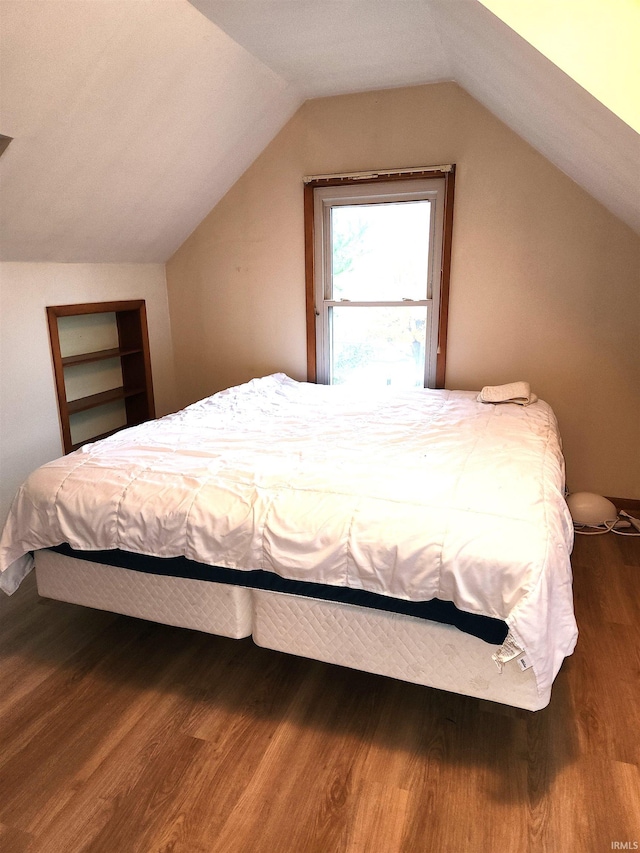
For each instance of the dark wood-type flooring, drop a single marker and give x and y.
(118, 735)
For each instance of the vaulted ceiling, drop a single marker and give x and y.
(131, 118)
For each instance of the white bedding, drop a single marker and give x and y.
(414, 495)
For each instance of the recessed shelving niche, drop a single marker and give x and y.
(102, 368)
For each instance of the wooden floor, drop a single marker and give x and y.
(118, 735)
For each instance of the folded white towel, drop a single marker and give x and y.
(514, 392)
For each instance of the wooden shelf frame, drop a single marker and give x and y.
(98, 355)
(135, 363)
(93, 401)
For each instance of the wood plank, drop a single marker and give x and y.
(116, 734)
(82, 404)
(98, 355)
(14, 840)
(97, 437)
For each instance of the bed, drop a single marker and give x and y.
(420, 534)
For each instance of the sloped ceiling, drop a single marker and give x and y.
(594, 43)
(327, 47)
(131, 118)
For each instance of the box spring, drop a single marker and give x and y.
(391, 644)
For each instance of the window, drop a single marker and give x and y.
(378, 255)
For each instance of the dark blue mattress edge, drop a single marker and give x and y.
(486, 628)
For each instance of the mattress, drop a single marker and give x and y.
(490, 630)
(416, 495)
(389, 644)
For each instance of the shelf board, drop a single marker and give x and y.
(98, 355)
(94, 400)
(93, 438)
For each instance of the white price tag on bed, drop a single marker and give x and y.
(506, 652)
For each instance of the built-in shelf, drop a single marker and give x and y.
(99, 355)
(96, 415)
(96, 438)
(100, 399)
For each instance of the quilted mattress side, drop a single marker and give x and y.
(392, 644)
(210, 607)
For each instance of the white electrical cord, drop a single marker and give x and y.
(610, 526)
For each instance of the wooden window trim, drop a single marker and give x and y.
(445, 272)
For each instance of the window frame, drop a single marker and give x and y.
(315, 275)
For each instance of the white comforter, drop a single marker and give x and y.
(414, 495)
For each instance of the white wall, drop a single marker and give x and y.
(545, 282)
(29, 423)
